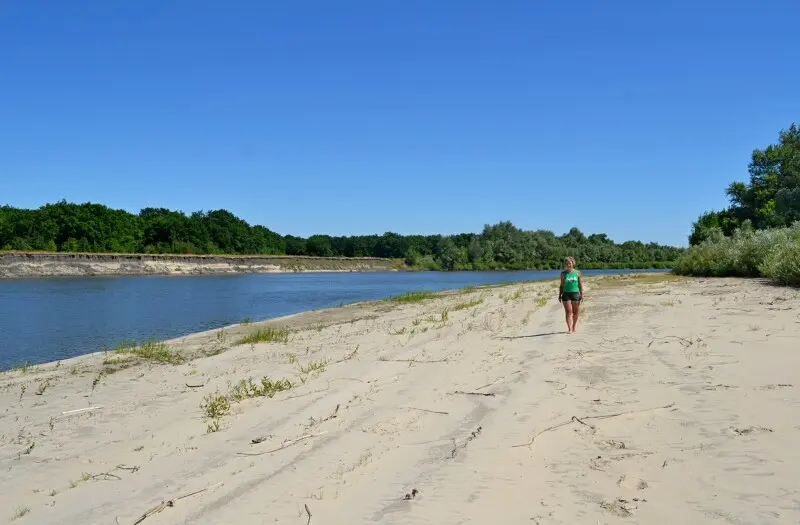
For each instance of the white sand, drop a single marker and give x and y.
(723, 354)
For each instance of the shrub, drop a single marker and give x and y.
(772, 253)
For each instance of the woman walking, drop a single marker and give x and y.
(570, 293)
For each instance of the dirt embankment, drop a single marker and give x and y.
(19, 264)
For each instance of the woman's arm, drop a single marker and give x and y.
(561, 287)
(580, 283)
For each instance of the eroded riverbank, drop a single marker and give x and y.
(27, 265)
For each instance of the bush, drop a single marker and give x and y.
(772, 253)
(782, 261)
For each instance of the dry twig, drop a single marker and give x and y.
(487, 394)
(286, 444)
(80, 410)
(170, 503)
(575, 418)
(426, 410)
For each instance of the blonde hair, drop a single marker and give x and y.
(569, 260)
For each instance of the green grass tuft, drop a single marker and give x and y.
(156, 351)
(466, 305)
(266, 335)
(412, 297)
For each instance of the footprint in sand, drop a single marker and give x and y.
(620, 507)
(611, 444)
(749, 430)
(631, 483)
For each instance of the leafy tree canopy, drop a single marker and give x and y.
(771, 199)
(94, 228)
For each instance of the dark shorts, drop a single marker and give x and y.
(574, 297)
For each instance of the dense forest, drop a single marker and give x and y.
(94, 228)
(759, 233)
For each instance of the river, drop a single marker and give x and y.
(43, 320)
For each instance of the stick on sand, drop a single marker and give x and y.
(286, 444)
(574, 418)
(170, 503)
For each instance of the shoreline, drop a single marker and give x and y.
(673, 395)
(302, 320)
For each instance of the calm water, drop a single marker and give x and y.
(45, 320)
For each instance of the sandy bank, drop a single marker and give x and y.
(682, 391)
(19, 265)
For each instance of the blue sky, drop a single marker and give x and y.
(413, 116)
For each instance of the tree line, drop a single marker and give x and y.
(758, 234)
(95, 228)
(771, 199)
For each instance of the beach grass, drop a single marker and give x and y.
(266, 335)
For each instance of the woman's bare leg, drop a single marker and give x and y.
(568, 313)
(576, 309)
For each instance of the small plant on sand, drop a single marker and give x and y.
(247, 388)
(22, 368)
(245, 321)
(97, 379)
(352, 354)
(22, 389)
(155, 351)
(20, 512)
(445, 316)
(215, 406)
(411, 297)
(266, 335)
(467, 304)
(313, 367)
(42, 387)
(541, 301)
(213, 426)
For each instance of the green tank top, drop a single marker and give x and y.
(571, 282)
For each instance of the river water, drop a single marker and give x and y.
(43, 320)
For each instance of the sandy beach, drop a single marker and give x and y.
(676, 402)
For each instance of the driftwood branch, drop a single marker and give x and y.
(194, 386)
(487, 394)
(286, 444)
(170, 503)
(307, 512)
(106, 475)
(414, 360)
(475, 392)
(75, 411)
(426, 410)
(579, 420)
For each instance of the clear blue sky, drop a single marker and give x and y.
(413, 116)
